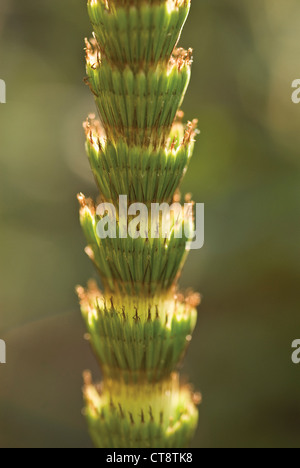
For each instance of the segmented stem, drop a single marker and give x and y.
(140, 326)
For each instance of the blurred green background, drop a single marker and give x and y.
(246, 171)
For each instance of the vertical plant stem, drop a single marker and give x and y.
(139, 326)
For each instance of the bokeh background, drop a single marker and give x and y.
(246, 171)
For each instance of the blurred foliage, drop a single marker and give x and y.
(245, 170)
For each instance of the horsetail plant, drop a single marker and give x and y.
(139, 150)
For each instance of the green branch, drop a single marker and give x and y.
(139, 326)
